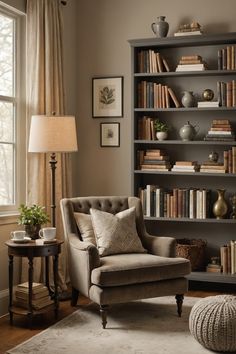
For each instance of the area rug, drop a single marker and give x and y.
(140, 327)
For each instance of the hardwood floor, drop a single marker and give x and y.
(13, 335)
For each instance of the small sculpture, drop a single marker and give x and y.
(213, 156)
(208, 95)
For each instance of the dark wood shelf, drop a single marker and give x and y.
(181, 142)
(186, 73)
(195, 174)
(183, 109)
(213, 221)
(213, 277)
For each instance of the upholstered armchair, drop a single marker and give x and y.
(121, 277)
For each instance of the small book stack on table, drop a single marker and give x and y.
(40, 296)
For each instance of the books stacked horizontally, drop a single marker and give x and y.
(154, 160)
(226, 58)
(150, 61)
(189, 29)
(154, 95)
(213, 167)
(185, 166)
(191, 63)
(204, 104)
(40, 296)
(228, 257)
(214, 268)
(220, 130)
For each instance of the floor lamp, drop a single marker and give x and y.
(52, 134)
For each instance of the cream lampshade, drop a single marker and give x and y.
(52, 134)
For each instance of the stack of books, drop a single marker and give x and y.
(191, 63)
(220, 130)
(153, 159)
(40, 296)
(204, 104)
(189, 29)
(185, 166)
(213, 167)
(150, 61)
(213, 268)
(226, 58)
(228, 257)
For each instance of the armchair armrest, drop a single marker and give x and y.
(83, 258)
(160, 246)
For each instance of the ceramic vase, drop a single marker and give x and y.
(220, 207)
(161, 135)
(32, 231)
(188, 99)
(161, 27)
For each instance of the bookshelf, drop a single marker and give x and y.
(215, 232)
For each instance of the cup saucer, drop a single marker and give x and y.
(24, 240)
(49, 241)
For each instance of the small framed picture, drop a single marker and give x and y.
(109, 134)
(108, 97)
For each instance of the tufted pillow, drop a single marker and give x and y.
(85, 226)
(116, 233)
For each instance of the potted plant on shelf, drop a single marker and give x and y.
(32, 217)
(161, 129)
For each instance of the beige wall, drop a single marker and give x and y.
(103, 29)
(18, 4)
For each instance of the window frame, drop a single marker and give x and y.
(18, 99)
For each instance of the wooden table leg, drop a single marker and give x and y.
(10, 288)
(55, 276)
(47, 276)
(30, 282)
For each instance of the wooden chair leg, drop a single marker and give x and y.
(74, 297)
(103, 312)
(179, 300)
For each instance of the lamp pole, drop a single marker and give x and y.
(53, 163)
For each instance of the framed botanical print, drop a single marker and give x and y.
(109, 134)
(108, 97)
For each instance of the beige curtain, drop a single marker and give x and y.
(45, 94)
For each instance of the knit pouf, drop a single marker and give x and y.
(212, 322)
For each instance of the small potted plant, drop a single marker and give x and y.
(32, 217)
(161, 129)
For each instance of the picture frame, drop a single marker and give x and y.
(110, 134)
(107, 97)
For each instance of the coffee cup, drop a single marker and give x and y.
(18, 235)
(48, 233)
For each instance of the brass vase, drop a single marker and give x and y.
(220, 206)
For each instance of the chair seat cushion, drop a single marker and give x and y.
(124, 269)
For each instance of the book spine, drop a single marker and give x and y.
(220, 66)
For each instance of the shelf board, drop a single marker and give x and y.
(213, 221)
(181, 142)
(187, 73)
(213, 277)
(183, 109)
(195, 174)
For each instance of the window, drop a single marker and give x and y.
(12, 112)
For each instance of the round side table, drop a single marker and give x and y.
(31, 250)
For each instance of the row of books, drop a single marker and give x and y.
(146, 129)
(40, 296)
(154, 95)
(220, 130)
(177, 203)
(228, 257)
(226, 58)
(226, 92)
(230, 160)
(191, 63)
(150, 61)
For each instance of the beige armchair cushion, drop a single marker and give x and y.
(84, 223)
(125, 269)
(116, 233)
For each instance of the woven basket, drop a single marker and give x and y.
(194, 250)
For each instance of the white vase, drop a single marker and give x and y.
(161, 135)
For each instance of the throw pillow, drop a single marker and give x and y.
(116, 233)
(85, 226)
